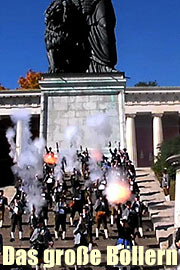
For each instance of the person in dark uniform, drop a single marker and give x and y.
(20, 191)
(77, 204)
(40, 240)
(60, 217)
(44, 210)
(177, 239)
(118, 216)
(140, 209)
(3, 205)
(131, 169)
(17, 210)
(80, 233)
(49, 181)
(102, 212)
(59, 190)
(115, 157)
(75, 180)
(166, 184)
(87, 216)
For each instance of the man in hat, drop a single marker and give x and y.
(102, 211)
(49, 181)
(17, 210)
(75, 180)
(60, 217)
(77, 204)
(128, 220)
(41, 239)
(60, 189)
(140, 209)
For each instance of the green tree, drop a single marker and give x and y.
(168, 148)
(150, 83)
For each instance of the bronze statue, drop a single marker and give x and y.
(80, 36)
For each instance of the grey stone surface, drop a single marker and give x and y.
(72, 98)
(74, 110)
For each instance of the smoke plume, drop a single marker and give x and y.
(29, 157)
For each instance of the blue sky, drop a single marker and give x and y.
(147, 35)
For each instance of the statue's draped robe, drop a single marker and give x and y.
(101, 37)
(82, 38)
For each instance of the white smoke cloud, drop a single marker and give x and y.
(72, 136)
(95, 170)
(29, 161)
(95, 136)
(10, 135)
(99, 130)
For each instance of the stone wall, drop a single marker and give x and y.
(69, 99)
(66, 111)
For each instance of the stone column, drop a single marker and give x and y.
(131, 138)
(18, 137)
(157, 133)
(43, 116)
(122, 118)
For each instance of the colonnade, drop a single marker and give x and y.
(131, 135)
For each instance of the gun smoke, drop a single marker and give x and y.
(29, 160)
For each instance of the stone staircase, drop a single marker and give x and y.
(148, 241)
(161, 211)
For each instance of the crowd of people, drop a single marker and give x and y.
(79, 202)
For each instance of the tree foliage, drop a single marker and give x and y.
(150, 83)
(2, 87)
(31, 81)
(168, 148)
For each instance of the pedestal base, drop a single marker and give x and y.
(68, 99)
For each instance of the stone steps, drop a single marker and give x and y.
(149, 240)
(161, 211)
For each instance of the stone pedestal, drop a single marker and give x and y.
(68, 99)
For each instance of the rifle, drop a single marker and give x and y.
(57, 147)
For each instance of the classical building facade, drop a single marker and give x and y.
(151, 115)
